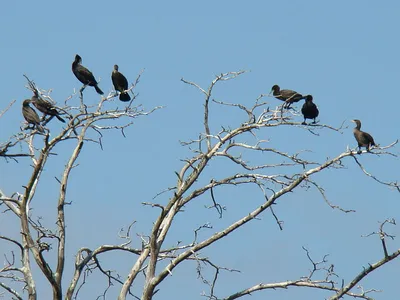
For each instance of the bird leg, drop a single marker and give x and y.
(39, 130)
(287, 104)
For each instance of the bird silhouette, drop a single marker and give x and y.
(84, 75)
(120, 84)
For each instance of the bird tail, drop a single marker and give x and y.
(124, 97)
(61, 119)
(98, 90)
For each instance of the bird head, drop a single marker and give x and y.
(26, 102)
(78, 59)
(275, 89)
(358, 122)
(308, 98)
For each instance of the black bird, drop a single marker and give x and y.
(120, 84)
(288, 96)
(84, 75)
(31, 116)
(46, 107)
(309, 109)
(363, 139)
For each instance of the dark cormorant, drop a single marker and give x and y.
(309, 109)
(363, 139)
(288, 96)
(46, 107)
(120, 84)
(84, 75)
(31, 116)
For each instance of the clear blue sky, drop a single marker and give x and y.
(344, 53)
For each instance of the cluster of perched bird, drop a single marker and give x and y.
(310, 111)
(87, 78)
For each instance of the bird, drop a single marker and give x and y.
(120, 84)
(364, 139)
(84, 75)
(288, 96)
(309, 109)
(31, 115)
(46, 107)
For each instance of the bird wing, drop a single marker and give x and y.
(119, 81)
(291, 95)
(44, 106)
(84, 75)
(368, 137)
(30, 115)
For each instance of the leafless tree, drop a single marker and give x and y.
(280, 173)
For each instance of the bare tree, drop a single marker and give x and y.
(280, 173)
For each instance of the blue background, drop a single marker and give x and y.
(344, 53)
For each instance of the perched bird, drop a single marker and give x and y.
(46, 107)
(309, 109)
(120, 84)
(84, 75)
(363, 139)
(31, 116)
(288, 96)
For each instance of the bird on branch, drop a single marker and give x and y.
(84, 75)
(120, 84)
(309, 109)
(31, 115)
(288, 96)
(46, 107)
(364, 139)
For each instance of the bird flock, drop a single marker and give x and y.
(309, 109)
(83, 75)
